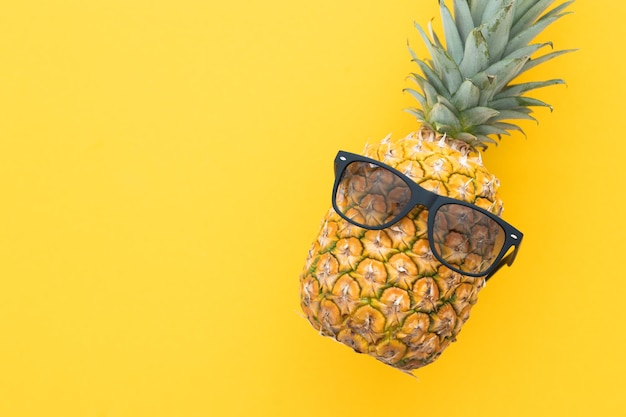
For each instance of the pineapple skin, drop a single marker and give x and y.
(382, 292)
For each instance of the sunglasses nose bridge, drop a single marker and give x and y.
(422, 196)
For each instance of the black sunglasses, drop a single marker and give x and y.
(464, 237)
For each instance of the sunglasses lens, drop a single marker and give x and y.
(467, 238)
(371, 195)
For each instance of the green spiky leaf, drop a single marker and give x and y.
(466, 88)
(467, 96)
(476, 56)
(444, 118)
(477, 116)
(519, 89)
(463, 18)
(496, 32)
(454, 43)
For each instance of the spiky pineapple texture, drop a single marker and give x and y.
(383, 292)
(465, 88)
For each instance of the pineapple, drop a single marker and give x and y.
(382, 292)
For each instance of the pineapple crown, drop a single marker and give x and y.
(465, 88)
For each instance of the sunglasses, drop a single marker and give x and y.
(464, 237)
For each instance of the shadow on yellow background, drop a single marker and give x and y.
(164, 167)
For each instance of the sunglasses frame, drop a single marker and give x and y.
(432, 202)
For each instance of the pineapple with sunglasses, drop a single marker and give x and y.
(414, 230)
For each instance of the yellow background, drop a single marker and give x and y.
(164, 166)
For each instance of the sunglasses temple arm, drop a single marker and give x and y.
(507, 260)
